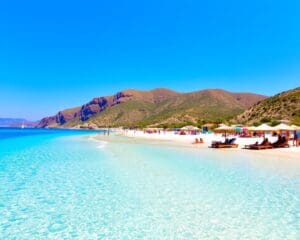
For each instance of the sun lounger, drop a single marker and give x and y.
(265, 144)
(251, 145)
(227, 144)
(260, 147)
(281, 144)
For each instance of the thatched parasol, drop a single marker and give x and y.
(224, 129)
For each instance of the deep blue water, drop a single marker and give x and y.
(19, 132)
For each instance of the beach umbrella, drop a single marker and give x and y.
(264, 128)
(295, 127)
(251, 128)
(224, 129)
(189, 128)
(238, 129)
(284, 127)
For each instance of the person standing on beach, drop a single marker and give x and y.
(295, 140)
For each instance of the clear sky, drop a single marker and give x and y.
(60, 54)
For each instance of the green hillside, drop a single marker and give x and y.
(285, 105)
(140, 110)
(157, 107)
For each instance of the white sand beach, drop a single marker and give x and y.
(187, 140)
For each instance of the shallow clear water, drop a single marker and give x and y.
(65, 185)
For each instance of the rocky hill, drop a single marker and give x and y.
(156, 108)
(285, 105)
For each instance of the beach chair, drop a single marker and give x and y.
(265, 144)
(260, 147)
(227, 144)
(281, 144)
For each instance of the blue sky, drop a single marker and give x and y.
(60, 54)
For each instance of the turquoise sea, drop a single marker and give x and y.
(58, 184)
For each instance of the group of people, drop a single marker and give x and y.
(200, 140)
(282, 141)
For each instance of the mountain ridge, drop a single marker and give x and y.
(158, 106)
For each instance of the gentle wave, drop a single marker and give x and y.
(102, 143)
